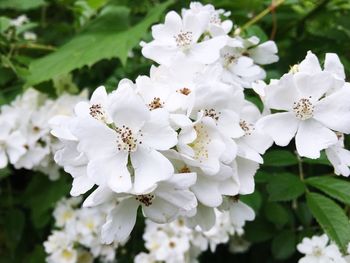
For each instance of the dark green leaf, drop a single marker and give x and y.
(303, 213)
(331, 218)
(276, 214)
(14, 224)
(21, 4)
(334, 187)
(38, 255)
(98, 41)
(259, 230)
(285, 187)
(283, 245)
(4, 172)
(280, 158)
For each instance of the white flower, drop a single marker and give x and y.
(180, 36)
(136, 132)
(29, 36)
(162, 205)
(201, 145)
(317, 250)
(311, 116)
(339, 157)
(19, 21)
(11, 144)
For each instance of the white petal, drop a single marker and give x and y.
(310, 64)
(283, 94)
(258, 141)
(99, 96)
(315, 85)
(111, 171)
(127, 108)
(245, 151)
(312, 137)
(333, 65)
(281, 127)
(120, 221)
(205, 218)
(240, 212)
(183, 180)
(150, 167)
(160, 211)
(81, 185)
(183, 199)
(95, 138)
(246, 170)
(157, 132)
(265, 53)
(15, 146)
(172, 26)
(334, 111)
(207, 191)
(160, 53)
(99, 196)
(208, 51)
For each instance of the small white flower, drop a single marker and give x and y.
(310, 115)
(339, 157)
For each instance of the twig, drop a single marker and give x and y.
(266, 11)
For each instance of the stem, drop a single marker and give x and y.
(36, 46)
(300, 166)
(266, 11)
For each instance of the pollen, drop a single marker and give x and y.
(247, 127)
(155, 104)
(184, 169)
(303, 109)
(183, 39)
(184, 91)
(146, 199)
(215, 19)
(212, 114)
(200, 144)
(97, 112)
(126, 139)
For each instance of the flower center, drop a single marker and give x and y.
(126, 139)
(184, 91)
(97, 112)
(247, 127)
(215, 19)
(303, 109)
(317, 252)
(155, 104)
(184, 170)
(212, 114)
(146, 199)
(183, 39)
(200, 144)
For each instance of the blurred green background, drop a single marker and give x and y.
(86, 43)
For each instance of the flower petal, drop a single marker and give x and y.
(150, 168)
(160, 211)
(334, 111)
(199, 52)
(312, 137)
(120, 221)
(157, 132)
(281, 127)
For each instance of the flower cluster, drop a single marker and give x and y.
(25, 139)
(184, 141)
(320, 249)
(179, 142)
(313, 105)
(175, 242)
(77, 234)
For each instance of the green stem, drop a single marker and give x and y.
(263, 13)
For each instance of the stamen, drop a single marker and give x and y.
(303, 109)
(155, 104)
(146, 199)
(97, 112)
(183, 39)
(248, 128)
(126, 140)
(184, 91)
(212, 114)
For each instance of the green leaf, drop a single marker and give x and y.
(259, 230)
(303, 213)
(38, 255)
(285, 187)
(4, 23)
(280, 158)
(4, 172)
(14, 224)
(41, 197)
(256, 30)
(108, 36)
(322, 160)
(283, 245)
(331, 217)
(334, 187)
(21, 4)
(276, 214)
